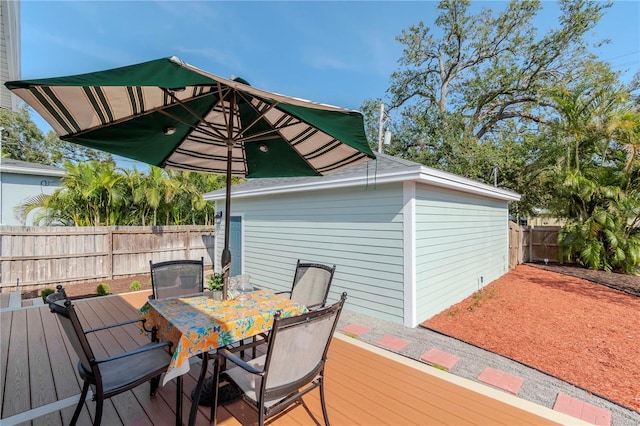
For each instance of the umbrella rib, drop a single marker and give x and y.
(192, 126)
(261, 114)
(267, 134)
(221, 97)
(193, 113)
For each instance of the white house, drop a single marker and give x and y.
(408, 240)
(20, 181)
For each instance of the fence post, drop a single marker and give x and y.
(521, 245)
(110, 253)
(188, 244)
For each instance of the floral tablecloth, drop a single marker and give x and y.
(200, 324)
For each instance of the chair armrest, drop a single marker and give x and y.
(147, 348)
(119, 324)
(256, 340)
(315, 307)
(239, 362)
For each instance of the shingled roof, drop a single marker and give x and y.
(384, 169)
(9, 165)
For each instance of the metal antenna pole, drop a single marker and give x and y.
(380, 128)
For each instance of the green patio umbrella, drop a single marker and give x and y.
(172, 115)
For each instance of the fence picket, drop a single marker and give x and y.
(44, 255)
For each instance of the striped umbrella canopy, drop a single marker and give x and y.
(173, 115)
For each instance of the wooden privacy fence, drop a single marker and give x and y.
(45, 255)
(515, 254)
(533, 244)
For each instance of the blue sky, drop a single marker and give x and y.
(335, 52)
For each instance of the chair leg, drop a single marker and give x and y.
(98, 418)
(155, 382)
(253, 349)
(325, 414)
(179, 401)
(217, 368)
(83, 397)
(198, 392)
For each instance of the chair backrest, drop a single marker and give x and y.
(311, 284)
(177, 278)
(66, 313)
(298, 349)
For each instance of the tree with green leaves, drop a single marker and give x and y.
(595, 185)
(23, 140)
(94, 193)
(491, 95)
(487, 74)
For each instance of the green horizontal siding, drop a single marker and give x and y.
(359, 230)
(459, 239)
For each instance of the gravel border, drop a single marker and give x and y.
(538, 387)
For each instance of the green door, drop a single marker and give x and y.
(235, 245)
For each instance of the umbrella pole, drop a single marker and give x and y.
(225, 260)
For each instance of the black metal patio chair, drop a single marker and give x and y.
(292, 367)
(112, 375)
(311, 284)
(176, 278)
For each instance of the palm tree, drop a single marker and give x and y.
(593, 188)
(625, 130)
(156, 188)
(136, 208)
(99, 194)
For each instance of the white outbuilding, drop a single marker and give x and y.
(408, 240)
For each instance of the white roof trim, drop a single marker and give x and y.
(420, 174)
(5, 168)
(451, 181)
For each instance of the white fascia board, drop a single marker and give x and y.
(31, 171)
(451, 181)
(422, 175)
(312, 186)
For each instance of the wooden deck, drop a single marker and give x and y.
(365, 385)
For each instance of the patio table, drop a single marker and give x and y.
(199, 324)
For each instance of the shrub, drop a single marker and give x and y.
(44, 293)
(102, 289)
(215, 282)
(135, 285)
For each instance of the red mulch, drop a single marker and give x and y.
(579, 331)
(88, 289)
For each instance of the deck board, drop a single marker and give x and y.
(16, 396)
(40, 369)
(5, 334)
(426, 391)
(40, 376)
(4, 300)
(362, 386)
